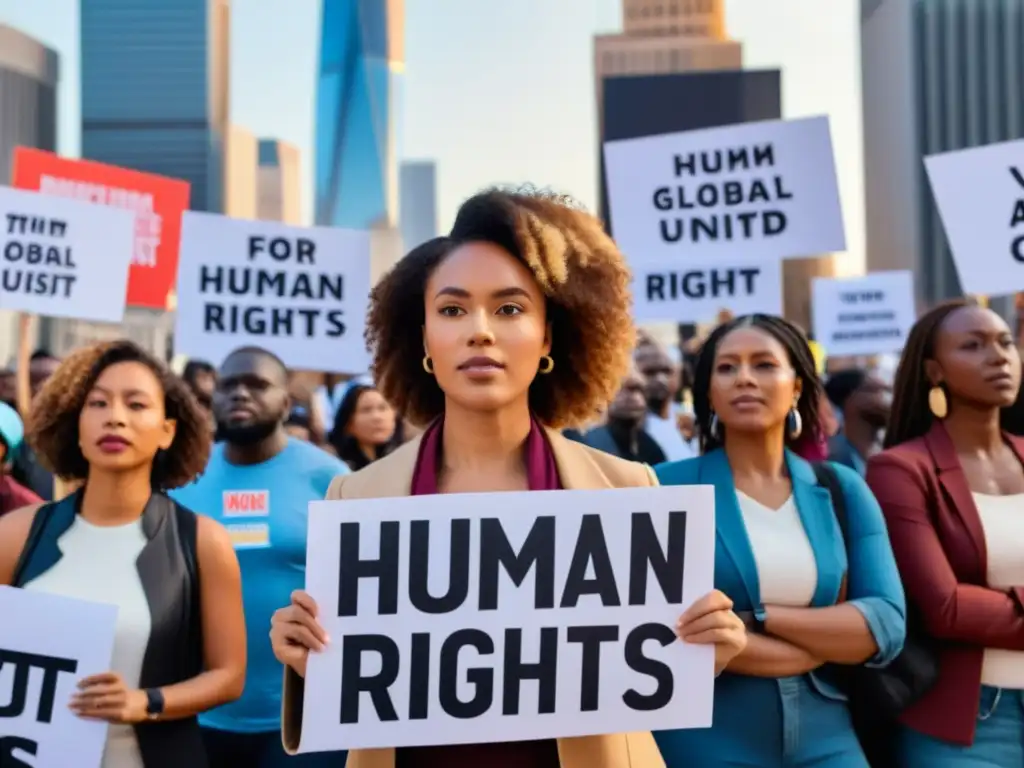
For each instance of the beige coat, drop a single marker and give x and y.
(579, 468)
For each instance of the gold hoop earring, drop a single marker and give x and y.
(547, 364)
(428, 365)
(938, 403)
(794, 424)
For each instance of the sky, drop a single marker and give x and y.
(499, 92)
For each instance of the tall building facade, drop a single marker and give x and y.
(241, 165)
(361, 55)
(155, 89)
(278, 189)
(417, 210)
(674, 37)
(29, 73)
(937, 75)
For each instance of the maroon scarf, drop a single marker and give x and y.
(541, 470)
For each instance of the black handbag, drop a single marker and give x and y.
(883, 693)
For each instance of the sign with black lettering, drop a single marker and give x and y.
(980, 196)
(47, 644)
(695, 294)
(300, 292)
(64, 258)
(758, 191)
(870, 315)
(474, 618)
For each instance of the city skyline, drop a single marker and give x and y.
(522, 112)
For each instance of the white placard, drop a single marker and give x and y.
(870, 315)
(754, 191)
(63, 257)
(299, 292)
(980, 196)
(47, 644)
(417, 658)
(696, 295)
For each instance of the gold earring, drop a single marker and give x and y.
(547, 364)
(428, 365)
(938, 404)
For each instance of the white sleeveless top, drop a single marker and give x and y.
(786, 568)
(98, 563)
(1002, 519)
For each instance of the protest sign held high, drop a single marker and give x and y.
(980, 196)
(500, 617)
(299, 292)
(47, 644)
(869, 315)
(156, 201)
(63, 258)
(765, 189)
(694, 294)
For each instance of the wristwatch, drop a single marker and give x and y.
(154, 703)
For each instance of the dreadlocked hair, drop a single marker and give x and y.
(910, 416)
(800, 357)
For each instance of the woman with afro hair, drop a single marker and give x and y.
(114, 422)
(516, 325)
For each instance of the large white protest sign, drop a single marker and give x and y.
(754, 191)
(475, 618)
(980, 196)
(64, 258)
(869, 315)
(300, 292)
(693, 294)
(47, 644)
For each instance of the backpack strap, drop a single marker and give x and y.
(828, 479)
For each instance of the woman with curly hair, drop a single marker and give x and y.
(117, 422)
(801, 549)
(516, 325)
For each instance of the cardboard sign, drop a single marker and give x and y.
(980, 196)
(475, 618)
(47, 644)
(299, 292)
(694, 294)
(757, 191)
(156, 201)
(63, 258)
(868, 315)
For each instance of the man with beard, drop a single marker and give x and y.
(258, 484)
(863, 399)
(661, 378)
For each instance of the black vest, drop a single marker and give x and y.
(170, 578)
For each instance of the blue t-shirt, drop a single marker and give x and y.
(264, 507)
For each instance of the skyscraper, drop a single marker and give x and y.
(28, 96)
(155, 89)
(278, 192)
(361, 54)
(672, 37)
(417, 213)
(241, 164)
(937, 75)
(28, 117)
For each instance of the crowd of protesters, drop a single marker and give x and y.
(868, 609)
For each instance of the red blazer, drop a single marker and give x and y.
(939, 544)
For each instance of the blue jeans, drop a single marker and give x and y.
(767, 723)
(998, 738)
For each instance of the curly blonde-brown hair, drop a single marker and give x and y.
(577, 266)
(52, 426)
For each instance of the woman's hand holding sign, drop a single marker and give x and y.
(711, 621)
(294, 630)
